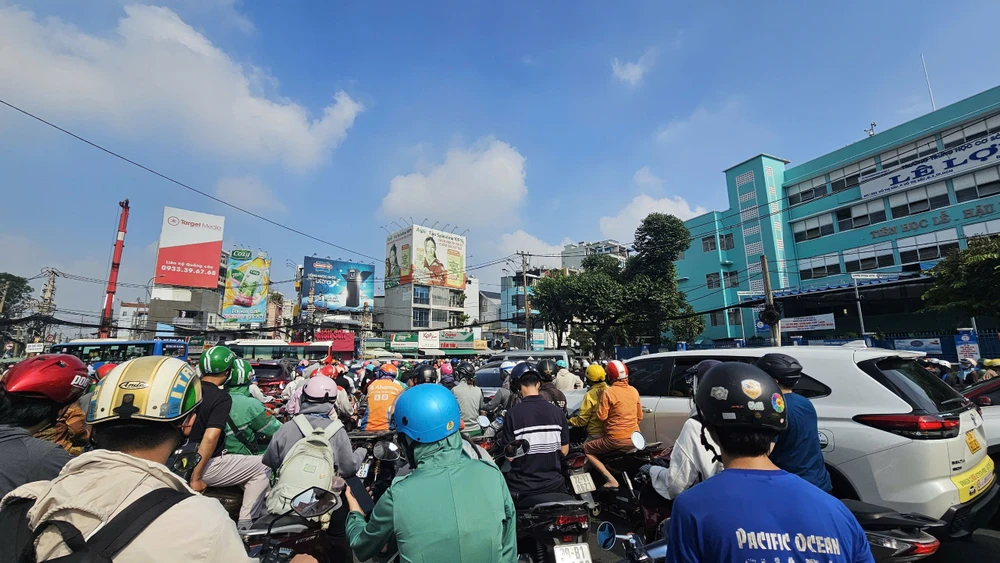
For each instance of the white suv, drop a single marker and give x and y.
(891, 433)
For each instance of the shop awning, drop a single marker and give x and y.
(431, 352)
(462, 352)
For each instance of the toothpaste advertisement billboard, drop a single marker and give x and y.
(245, 299)
(189, 248)
(334, 285)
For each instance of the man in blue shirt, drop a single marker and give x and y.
(752, 510)
(797, 449)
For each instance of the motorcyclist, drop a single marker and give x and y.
(248, 418)
(422, 374)
(547, 371)
(753, 510)
(140, 413)
(99, 373)
(34, 394)
(217, 467)
(382, 394)
(473, 516)
(565, 380)
(544, 426)
(797, 449)
(470, 398)
(691, 461)
(587, 416)
(621, 412)
(504, 397)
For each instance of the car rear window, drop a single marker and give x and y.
(488, 377)
(266, 371)
(923, 390)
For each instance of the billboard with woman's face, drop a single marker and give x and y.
(418, 254)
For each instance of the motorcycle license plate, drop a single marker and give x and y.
(582, 483)
(363, 470)
(572, 553)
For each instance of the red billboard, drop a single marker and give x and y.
(189, 248)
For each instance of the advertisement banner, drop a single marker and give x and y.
(812, 322)
(340, 340)
(457, 340)
(334, 285)
(479, 345)
(967, 345)
(189, 248)
(249, 277)
(428, 339)
(938, 166)
(927, 345)
(403, 341)
(418, 254)
(399, 258)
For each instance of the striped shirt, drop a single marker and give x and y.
(544, 426)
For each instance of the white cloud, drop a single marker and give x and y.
(645, 179)
(226, 11)
(545, 254)
(480, 186)
(622, 226)
(701, 121)
(249, 193)
(156, 73)
(632, 73)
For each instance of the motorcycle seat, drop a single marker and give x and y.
(221, 492)
(293, 523)
(874, 517)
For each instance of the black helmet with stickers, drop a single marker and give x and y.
(547, 370)
(740, 395)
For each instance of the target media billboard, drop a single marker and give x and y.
(189, 248)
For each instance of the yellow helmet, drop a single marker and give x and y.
(595, 373)
(157, 388)
(991, 363)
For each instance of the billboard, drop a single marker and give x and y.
(189, 248)
(245, 299)
(418, 254)
(334, 285)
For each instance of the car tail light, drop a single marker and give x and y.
(915, 426)
(925, 548)
(567, 520)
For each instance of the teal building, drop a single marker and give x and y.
(892, 204)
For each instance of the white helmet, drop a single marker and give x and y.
(157, 388)
(507, 366)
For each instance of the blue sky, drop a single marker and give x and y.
(528, 123)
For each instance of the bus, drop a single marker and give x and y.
(118, 350)
(267, 349)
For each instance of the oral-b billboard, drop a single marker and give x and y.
(335, 285)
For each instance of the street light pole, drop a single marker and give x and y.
(857, 300)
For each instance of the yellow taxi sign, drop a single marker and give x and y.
(973, 482)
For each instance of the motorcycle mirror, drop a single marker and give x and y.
(483, 421)
(317, 501)
(638, 441)
(386, 451)
(184, 463)
(516, 449)
(606, 535)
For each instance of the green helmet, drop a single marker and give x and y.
(216, 360)
(241, 373)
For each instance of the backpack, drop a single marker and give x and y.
(102, 547)
(310, 463)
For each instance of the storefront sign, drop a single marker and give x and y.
(927, 345)
(429, 339)
(34, 348)
(479, 345)
(970, 213)
(945, 164)
(403, 341)
(457, 340)
(812, 322)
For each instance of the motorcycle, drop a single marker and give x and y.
(276, 538)
(624, 501)
(371, 466)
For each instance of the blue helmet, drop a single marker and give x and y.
(426, 413)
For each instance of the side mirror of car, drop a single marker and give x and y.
(984, 401)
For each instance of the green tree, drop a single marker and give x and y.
(687, 329)
(966, 280)
(553, 297)
(18, 295)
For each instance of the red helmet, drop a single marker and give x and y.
(105, 370)
(326, 371)
(60, 378)
(616, 370)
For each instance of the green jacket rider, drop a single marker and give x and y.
(248, 414)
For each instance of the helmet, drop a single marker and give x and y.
(585, 364)
(426, 413)
(547, 370)
(303, 363)
(740, 395)
(387, 371)
(465, 370)
(562, 364)
(157, 388)
(370, 367)
(325, 371)
(446, 369)
(616, 370)
(241, 373)
(454, 361)
(216, 360)
(422, 374)
(946, 364)
(785, 369)
(505, 367)
(969, 362)
(60, 378)
(104, 370)
(595, 373)
(320, 389)
(697, 372)
(518, 371)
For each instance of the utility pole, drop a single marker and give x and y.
(366, 327)
(3, 295)
(527, 302)
(857, 300)
(769, 299)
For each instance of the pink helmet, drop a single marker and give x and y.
(446, 369)
(320, 389)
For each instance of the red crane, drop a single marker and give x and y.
(116, 261)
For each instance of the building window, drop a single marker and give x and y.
(970, 131)
(731, 279)
(919, 200)
(713, 281)
(735, 316)
(907, 153)
(926, 247)
(807, 191)
(439, 316)
(421, 295)
(717, 318)
(517, 301)
(861, 215)
(869, 257)
(850, 176)
(708, 244)
(813, 227)
(981, 183)
(986, 229)
(726, 242)
(819, 267)
(421, 318)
